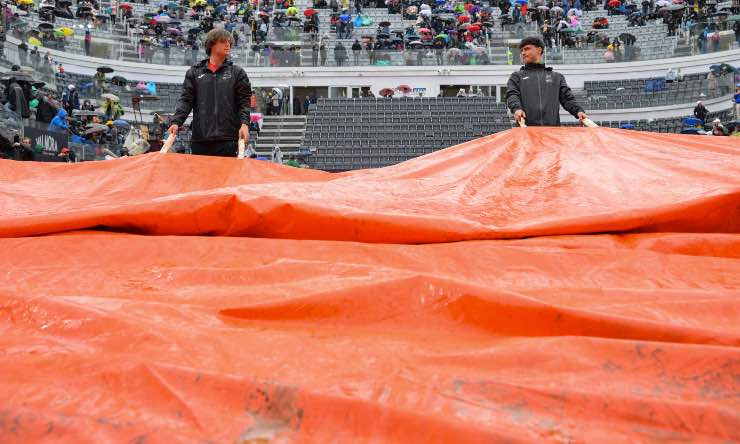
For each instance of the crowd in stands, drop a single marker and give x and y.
(432, 31)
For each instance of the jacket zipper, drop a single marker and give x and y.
(540, 108)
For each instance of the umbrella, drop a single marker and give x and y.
(627, 38)
(292, 10)
(463, 19)
(45, 27)
(424, 31)
(121, 123)
(33, 41)
(543, 7)
(194, 31)
(94, 128)
(474, 28)
(118, 80)
(414, 43)
(469, 6)
(309, 12)
(442, 36)
(556, 9)
(345, 18)
(255, 117)
(174, 31)
(67, 31)
(425, 13)
(672, 8)
(405, 89)
(614, 3)
(278, 91)
(25, 2)
(163, 18)
(111, 97)
(82, 113)
(124, 6)
(386, 92)
(384, 24)
(105, 69)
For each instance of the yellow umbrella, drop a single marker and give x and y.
(33, 41)
(25, 2)
(67, 31)
(292, 10)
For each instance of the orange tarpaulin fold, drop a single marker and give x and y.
(531, 328)
(520, 183)
(183, 339)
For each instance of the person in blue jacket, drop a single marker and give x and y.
(59, 122)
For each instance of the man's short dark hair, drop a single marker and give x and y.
(535, 41)
(217, 35)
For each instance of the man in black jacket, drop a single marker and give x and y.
(535, 93)
(218, 92)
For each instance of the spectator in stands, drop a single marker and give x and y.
(671, 75)
(461, 93)
(218, 93)
(535, 92)
(88, 42)
(71, 99)
(609, 54)
(306, 104)
(717, 128)
(701, 112)
(59, 122)
(356, 51)
(315, 54)
(322, 52)
(340, 53)
(736, 101)
(87, 106)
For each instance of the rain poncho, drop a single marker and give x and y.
(59, 122)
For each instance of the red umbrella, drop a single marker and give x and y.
(614, 3)
(473, 28)
(126, 7)
(386, 92)
(468, 6)
(404, 88)
(424, 30)
(309, 12)
(463, 19)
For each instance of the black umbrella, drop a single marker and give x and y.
(84, 9)
(383, 35)
(94, 128)
(194, 31)
(118, 80)
(85, 113)
(384, 24)
(47, 7)
(105, 69)
(46, 27)
(627, 38)
(63, 4)
(38, 85)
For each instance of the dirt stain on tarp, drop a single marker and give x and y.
(275, 412)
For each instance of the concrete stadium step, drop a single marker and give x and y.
(283, 131)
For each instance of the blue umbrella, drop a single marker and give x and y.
(439, 2)
(121, 123)
(628, 126)
(345, 18)
(522, 2)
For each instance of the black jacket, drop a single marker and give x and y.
(540, 91)
(219, 101)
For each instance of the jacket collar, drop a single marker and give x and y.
(204, 64)
(533, 66)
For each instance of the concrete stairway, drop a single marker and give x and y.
(283, 131)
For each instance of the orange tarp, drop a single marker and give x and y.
(519, 183)
(569, 337)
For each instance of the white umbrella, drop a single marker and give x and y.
(163, 19)
(112, 97)
(426, 12)
(424, 7)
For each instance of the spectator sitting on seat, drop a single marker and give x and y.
(59, 122)
(71, 99)
(700, 111)
(717, 128)
(671, 75)
(461, 93)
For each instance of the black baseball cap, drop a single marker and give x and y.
(535, 41)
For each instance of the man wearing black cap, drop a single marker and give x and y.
(535, 93)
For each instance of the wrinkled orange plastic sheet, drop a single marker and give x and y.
(519, 183)
(119, 337)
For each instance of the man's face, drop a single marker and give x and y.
(221, 48)
(531, 54)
